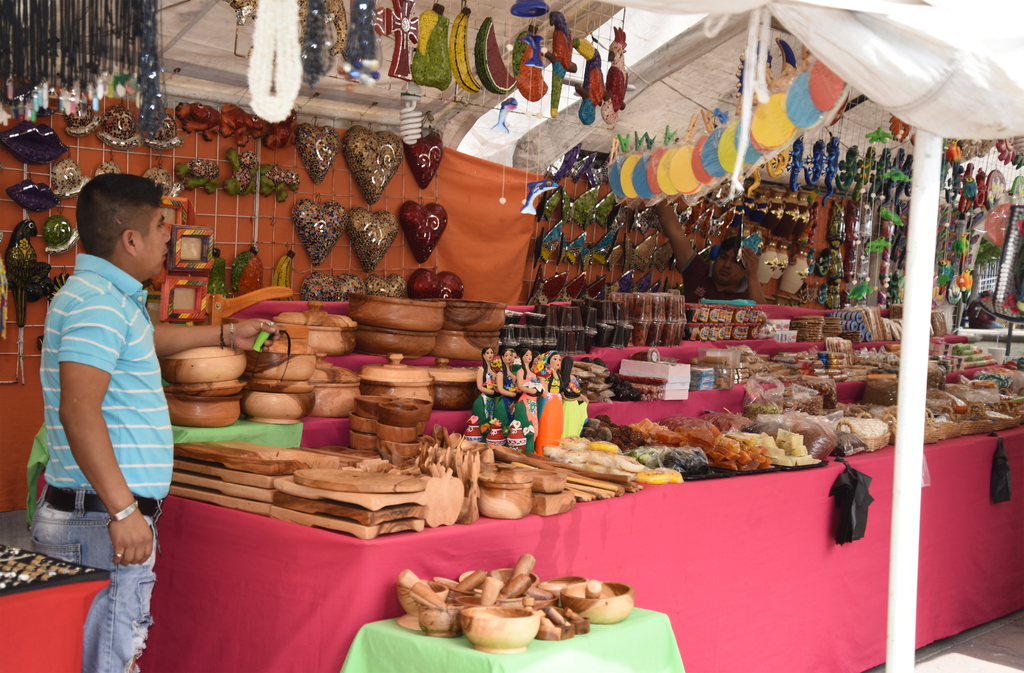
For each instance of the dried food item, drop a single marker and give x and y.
(687, 460)
(678, 421)
(819, 438)
(648, 456)
(825, 387)
(848, 444)
(770, 427)
(752, 411)
(725, 422)
(732, 454)
(936, 376)
(882, 392)
(801, 398)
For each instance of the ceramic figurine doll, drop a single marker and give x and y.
(574, 404)
(487, 385)
(547, 367)
(507, 383)
(530, 389)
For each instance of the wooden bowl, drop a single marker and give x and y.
(424, 407)
(298, 366)
(473, 601)
(396, 433)
(366, 405)
(463, 345)
(208, 364)
(362, 424)
(404, 449)
(556, 584)
(334, 400)
(406, 412)
(512, 502)
(384, 340)
(473, 316)
(411, 618)
(203, 412)
(396, 379)
(442, 622)
(277, 408)
(454, 387)
(614, 605)
(213, 389)
(395, 313)
(500, 630)
(362, 441)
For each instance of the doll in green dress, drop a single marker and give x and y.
(486, 407)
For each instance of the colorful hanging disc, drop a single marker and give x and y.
(613, 177)
(681, 171)
(800, 109)
(709, 154)
(664, 180)
(627, 175)
(697, 164)
(639, 180)
(825, 86)
(770, 128)
(728, 147)
(652, 170)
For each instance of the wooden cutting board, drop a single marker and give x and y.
(217, 498)
(547, 504)
(357, 514)
(225, 487)
(370, 501)
(351, 481)
(214, 470)
(257, 458)
(345, 525)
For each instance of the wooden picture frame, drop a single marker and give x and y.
(190, 249)
(183, 299)
(178, 210)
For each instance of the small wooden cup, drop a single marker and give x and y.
(367, 405)
(362, 424)
(402, 414)
(394, 433)
(362, 441)
(441, 622)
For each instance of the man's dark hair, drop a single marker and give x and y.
(110, 204)
(731, 243)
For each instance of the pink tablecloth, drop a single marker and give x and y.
(747, 569)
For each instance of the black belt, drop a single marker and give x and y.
(63, 499)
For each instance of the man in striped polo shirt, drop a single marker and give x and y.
(108, 429)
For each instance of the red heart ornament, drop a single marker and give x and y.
(424, 157)
(423, 226)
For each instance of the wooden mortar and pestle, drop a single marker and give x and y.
(436, 618)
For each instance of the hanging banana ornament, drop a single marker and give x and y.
(283, 270)
(458, 52)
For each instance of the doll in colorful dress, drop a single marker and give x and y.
(530, 389)
(484, 407)
(547, 367)
(574, 404)
(507, 383)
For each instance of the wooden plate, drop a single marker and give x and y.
(359, 482)
(256, 457)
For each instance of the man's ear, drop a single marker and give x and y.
(129, 241)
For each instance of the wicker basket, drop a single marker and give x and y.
(976, 426)
(999, 424)
(933, 431)
(873, 443)
(952, 429)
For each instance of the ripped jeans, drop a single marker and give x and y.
(119, 620)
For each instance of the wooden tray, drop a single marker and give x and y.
(257, 458)
(217, 498)
(357, 514)
(225, 487)
(214, 470)
(345, 525)
(351, 481)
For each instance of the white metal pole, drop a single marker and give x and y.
(906, 495)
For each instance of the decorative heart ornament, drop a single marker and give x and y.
(318, 148)
(371, 235)
(424, 157)
(319, 225)
(373, 158)
(394, 286)
(423, 226)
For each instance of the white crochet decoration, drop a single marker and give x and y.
(276, 60)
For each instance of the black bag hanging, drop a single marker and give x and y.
(850, 491)
(1000, 483)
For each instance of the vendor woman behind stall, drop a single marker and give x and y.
(724, 278)
(108, 429)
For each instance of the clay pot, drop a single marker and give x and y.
(396, 380)
(394, 313)
(216, 389)
(362, 441)
(208, 364)
(442, 622)
(362, 424)
(335, 389)
(382, 340)
(612, 606)
(281, 408)
(203, 412)
(403, 413)
(367, 406)
(394, 433)
(473, 316)
(328, 333)
(277, 363)
(500, 630)
(454, 387)
(462, 345)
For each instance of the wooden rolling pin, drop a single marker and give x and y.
(524, 566)
(419, 589)
(516, 587)
(472, 581)
(489, 592)
(594, 589)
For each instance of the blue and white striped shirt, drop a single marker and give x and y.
(99, 319)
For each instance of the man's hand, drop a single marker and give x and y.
(132, 539)
(246, 332)
(750, 263)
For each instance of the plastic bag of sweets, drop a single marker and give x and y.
(825, 387)
(848, 444)
(819, 437)
(802, 398)
(763, 395)
(725, 422)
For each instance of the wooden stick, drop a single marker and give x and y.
(574, 479)
(596, 492)
(580, 495)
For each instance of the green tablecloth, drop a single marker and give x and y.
(643, 642)
(269, 434)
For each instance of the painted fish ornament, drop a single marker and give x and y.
(550, 242)
(603, 210)
(663, 257)
(534, 189)
(583, 207)
(601, 251)
(568, 159)
(643, 254)
(507, 106)
(571, 252)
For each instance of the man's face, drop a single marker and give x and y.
(726, 271)
(153, 244)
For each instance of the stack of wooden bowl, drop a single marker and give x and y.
(334, 388)
(327, 333)
(203, 388)
(391, 425)
(395, 325)
(454, 387)
(362, 434)
(468, 328)
(278, 390)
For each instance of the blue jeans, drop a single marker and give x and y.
(119, 620)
